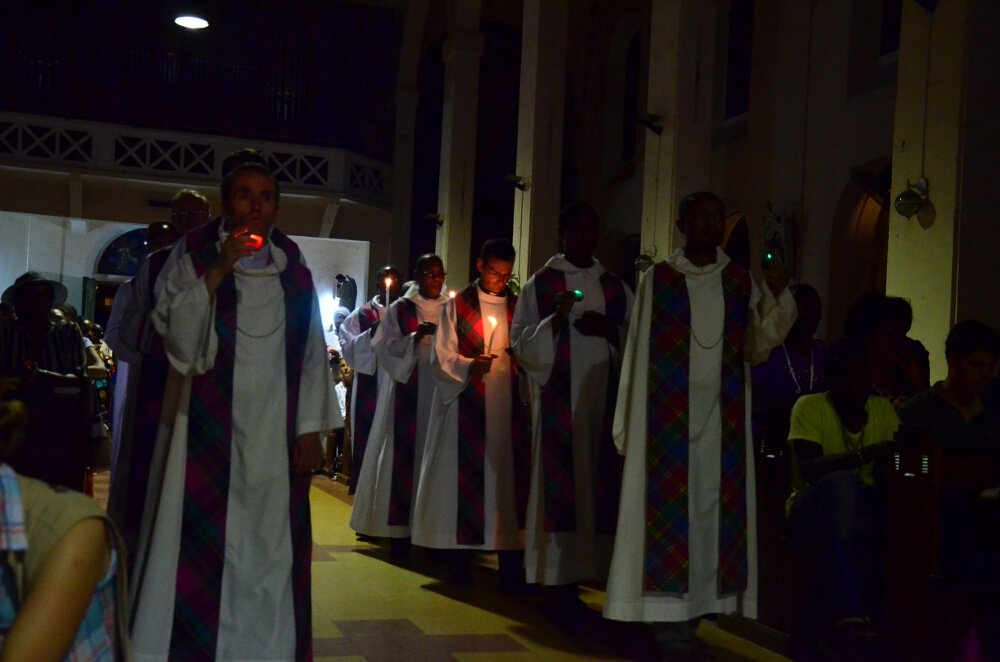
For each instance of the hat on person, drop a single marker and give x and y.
(58, 289)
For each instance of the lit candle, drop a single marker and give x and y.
(388, 296)
(493, 330)
(451, 294)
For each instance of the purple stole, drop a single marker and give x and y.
(365, 403)
(404, 427)
(667, 558)
(558, 466)
(150, 390)
(206, 478)
(472, 426)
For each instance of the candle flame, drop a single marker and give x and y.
(388, 282)
(451, 294)
(493, 321)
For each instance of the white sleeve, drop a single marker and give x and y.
(770, 321)
(451, 369)
(396, 353)
(356, 345)
(531, 338)
(635, 364)
(318, 407)
(185, 317)
(113, 334)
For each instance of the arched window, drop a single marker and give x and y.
(124, 255)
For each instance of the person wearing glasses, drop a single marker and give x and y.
(142, 367)
(383, 503)
(473, 484)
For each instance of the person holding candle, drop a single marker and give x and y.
(384, 498)
(472, 492)
(686, 539)
(570, 349)
(356, 334)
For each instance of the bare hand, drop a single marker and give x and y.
(426, 329)
(236, 246)
(308, 453)
(481, 364)
(776, 277)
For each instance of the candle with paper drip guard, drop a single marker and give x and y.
(493, 329)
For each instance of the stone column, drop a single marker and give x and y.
(402, 176)
(540, 133)
(678, 101)
(456, 189)
(943, 259)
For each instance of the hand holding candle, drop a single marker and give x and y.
(493, 329)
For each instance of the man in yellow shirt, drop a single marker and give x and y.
(836, 512)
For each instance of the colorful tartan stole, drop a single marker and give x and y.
(206, 482)
(365, 403)
(150, 389)
(667, 526)
(472, 426)
(404, 427)
(556, 415)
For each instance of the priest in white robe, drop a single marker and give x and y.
(570, 350)
(356, 334)
(224, 561)
(473, 482)
(686, 544)
(383, 502)
(143, 367)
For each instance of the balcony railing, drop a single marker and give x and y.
(53, 142)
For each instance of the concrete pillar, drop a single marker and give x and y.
(456, 189)
(540, 133)
(943, 260)
(678, 101)
(402, 175)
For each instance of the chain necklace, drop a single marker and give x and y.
(791, 370)
(703, 345)
(281, 323)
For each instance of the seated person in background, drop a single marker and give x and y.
(900, 367)
(48, 358)
(959, 417)
(792, 370)
(835, 511)
(62, 596)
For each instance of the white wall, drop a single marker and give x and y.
(326, 258)
(68, 249)
(64, 249)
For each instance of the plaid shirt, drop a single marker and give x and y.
(95, 640)
(60, 349)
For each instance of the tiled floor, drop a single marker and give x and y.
(368, 606)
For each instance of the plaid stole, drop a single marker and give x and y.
(365, 403)
(472, 426)
(404, 430)
(557, 417)
(667, 527)
(150, 391)
(206, 482)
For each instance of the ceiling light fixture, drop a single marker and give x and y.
(191, 22)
